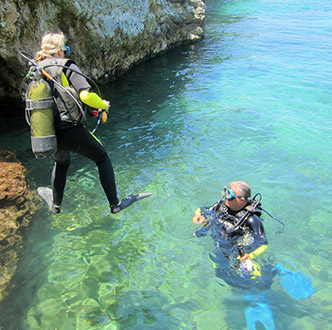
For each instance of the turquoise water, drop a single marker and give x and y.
(251, 101)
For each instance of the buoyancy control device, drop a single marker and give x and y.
(45, 96)
(39, 115)
(67, 101)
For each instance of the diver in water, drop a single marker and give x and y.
(71, 136)
(238, 233)
(236, 227)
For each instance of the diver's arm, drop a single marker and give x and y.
(258, 251)
(93, 100)
(203, 216)
(254, 253)
(82, 86)
(260, 242)
(198, 218)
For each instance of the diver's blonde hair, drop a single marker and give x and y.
(50, 44)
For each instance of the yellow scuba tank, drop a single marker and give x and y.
(39, 115)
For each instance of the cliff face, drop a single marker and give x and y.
(106, 37)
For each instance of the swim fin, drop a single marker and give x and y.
(127, 201)
(259, 312)
(296, 284)
(47, 195)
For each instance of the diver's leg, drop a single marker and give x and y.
(107, 179)
(53, 197)
(85, 144)
(59, 175)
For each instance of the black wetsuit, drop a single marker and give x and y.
(77, 139)
(250, 236)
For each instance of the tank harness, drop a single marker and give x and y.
(254, 207)
(65, 97)
(48, 93)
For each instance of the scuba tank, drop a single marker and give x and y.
(39, 115)
(41, 104)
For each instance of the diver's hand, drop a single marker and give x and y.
(198, 219)
(244, 257)
(108, 104)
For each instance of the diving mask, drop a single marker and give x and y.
(229, 194)
(66, 50)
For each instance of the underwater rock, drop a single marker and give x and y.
(16, 207)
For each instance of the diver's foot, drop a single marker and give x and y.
(127, 201)
(56, 209)
(47, 195)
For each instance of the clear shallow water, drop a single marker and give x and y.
(251, 101)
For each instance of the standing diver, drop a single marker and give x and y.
(70, 89)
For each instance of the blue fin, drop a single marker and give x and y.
(296, 284)
(259, 312)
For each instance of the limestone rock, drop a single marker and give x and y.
(106, 37)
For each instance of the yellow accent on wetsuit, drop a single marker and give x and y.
(257, 270)
(198, 211)
(96, 139)
(92, 100)
(64, 80)
(258, 251)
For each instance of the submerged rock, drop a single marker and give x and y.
(16, 207)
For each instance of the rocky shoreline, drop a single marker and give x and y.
(106, 37)
(17, 205)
